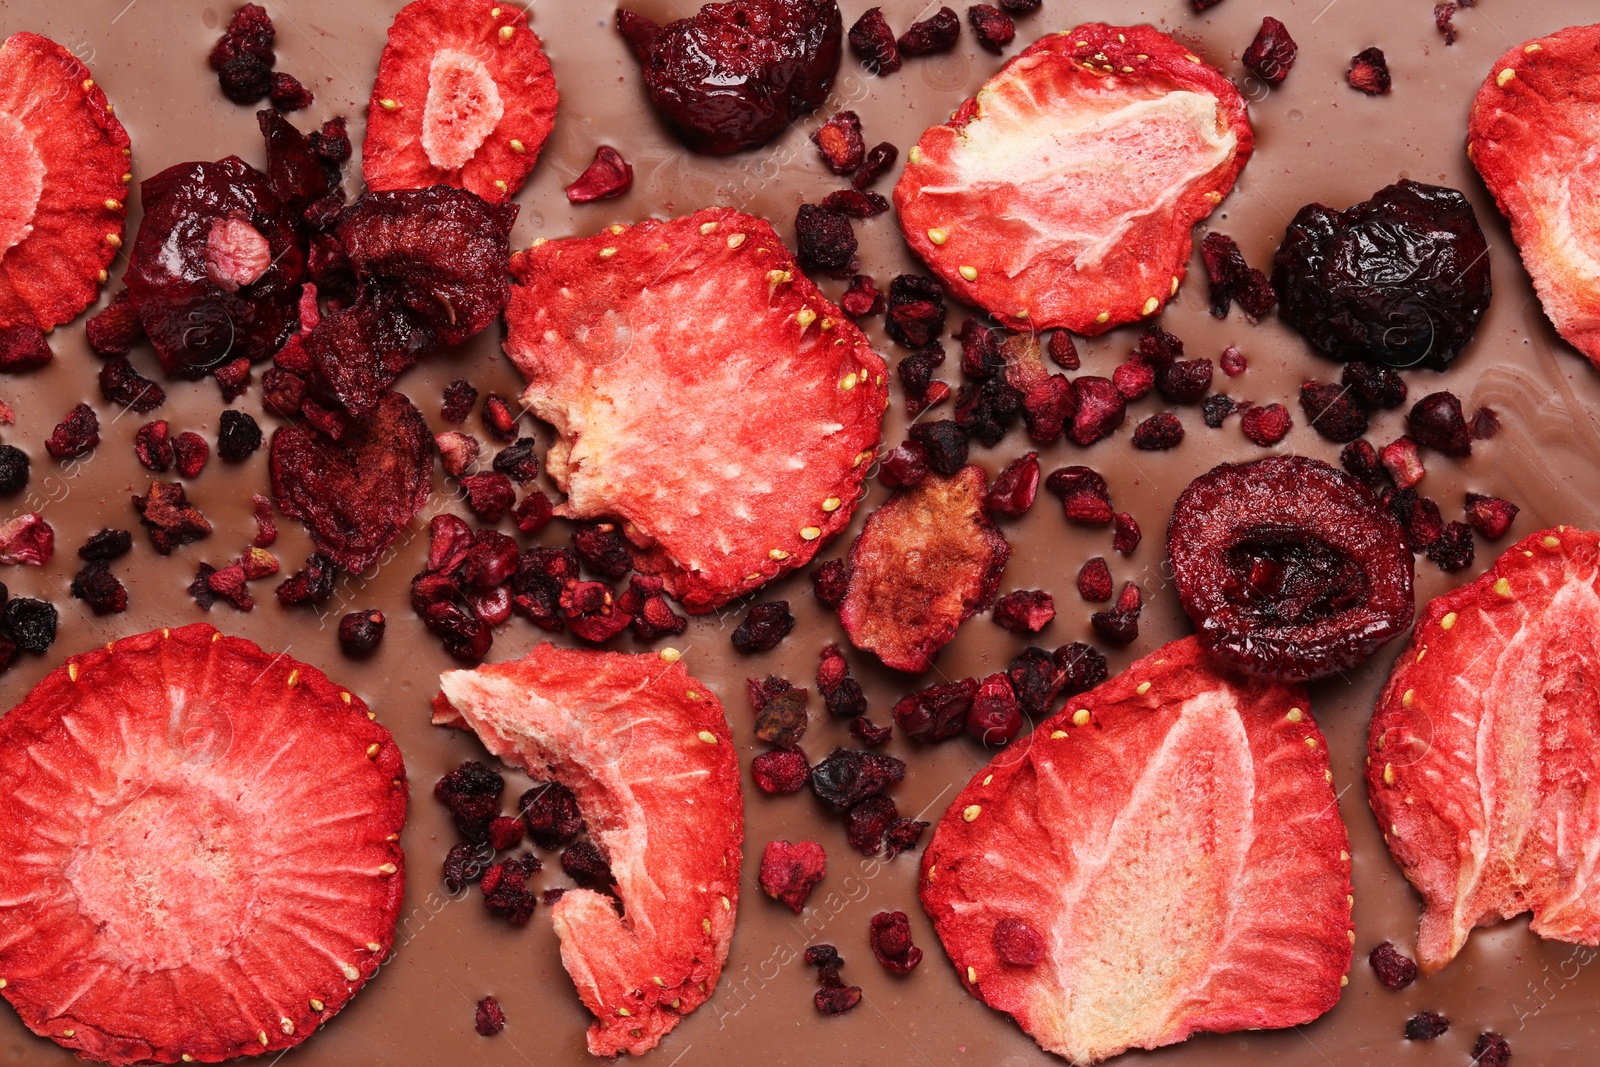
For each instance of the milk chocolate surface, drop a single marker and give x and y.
(1317, 140)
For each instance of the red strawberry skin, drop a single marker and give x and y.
(1023, 212)
(65, 160)
(703, 390)
(1484, 743)
(646, 750)
(1531, 137)
(201, 841)
(495, 39)
(1178, 847)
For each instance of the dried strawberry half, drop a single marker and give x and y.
(646, 750)
(355, 495)
(1217, 885)
(1530, 137)
(925, 562)
(1288, 567)
(464, 97)
(731, 455)
(65, 160)
(1481, 744)
(133, 781)
(1009, 202)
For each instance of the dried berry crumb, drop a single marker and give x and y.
(550, 811)
(190, 451)
(489, 495)
(361, 631)
(1094, 581)
(856, 203)
(1015, 488)
(781, 771)
(1120, 624)
(1374, 386)
(866, 823)
(763, 627)
(824, 240)
(863, 298)
(938, 712)
(1369, 72)
(471, 793)
(836, 1000)
(1158, 433)
(1452, 550)
(1134, 379)
(903, 835)
(607, 176)
(1185, 381)
(789, 872)
(152, 446)
(463, 866)
(840, 142)
(287, 94)
(1491, 1050)
(14, 467)
(171, 519)
(312, 584)
(121, 384)
(1025, 611)
(1362, 462)
(937, 33)
(1272, 52)
(996, 714)
(1438, 422)
(915, 313)
(873, 42)
(1426, 1025)
(992, 27)
(459, 399)
(583, 863)
(75, 435)
(1442, 16)
(1394, 969)
(31, 623)
(780, 711)
(1233, 362)
(868, 732)
(1101, 409)
(239, 436)
(107, 545)
(499, 418)
(1490, 516)
(829, 583)
(890, 938)
(519, 460)
(1333, 412)
(879, 158)
(96, 586)
(1419, 518)
(1126, 535)
(489, 1019)
(1017, 944)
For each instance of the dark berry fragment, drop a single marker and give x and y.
(653, 616)
(783, 770)
(938, 712)
(249, 32)
(1490, 1050)
(1185, 381)
(1485, 424)
(311, 584)
(917, 381)
(489, 495)
(1374, 386)
(1025, 611)
(287, 94)
(121, 384)
(190, 452)
(603, 549)
(1158, 433)
(245, 79)
(505, 890)
(780, 711)
(1035, 681)
(1360, 460)
(847, 777)
(1394, 969)
(1015, 488)
(462, 866)
(1082, 667)
(1216, 408)
(763, 627)
(152, 445)
(1333, 412)
(533, 512)
(583, 864)
(1272, 53)
(879, 158)
(1426, 1025)
(988, 409)
(903, 835)
(171, 519)
(489, 1019)
(1453, 550)
(471, 793)
(830, 581)
(825, 240)
(840, 142)
(519, 460)
(499, 418)
(96, 586)
(996, 714)
(1126, 535)
(915, 312)
(74, 435)
(239, 436)
(106, 545)
(233, 378)
(360, 632)
(1094, 581)
(1369, 72)
(823, 956)
(993, 27)
(1403, 462)
(867, 822)
(1266, 426)
(115, 330)
(13, 469)
(890, 938)
(789, 872)
(1017, 944)
(551, 813)
(945, 442)
(32, 623)
(1419, 517)
(863, 298)
(1232, 280)
(938, 33)
(873, 42)
(1490, 516)
(1438, 422)
(1120, 624)
(608, 175)
(868, 732)
(856, 203)
(459, 399)
(836, 1000)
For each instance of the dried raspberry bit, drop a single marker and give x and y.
(855, 203)
(938, 712)
(917, 381)
(842, 693)
(996, 715)
(1394, 969)
(489, 495)
(890, 938)
(229, 584)
(1490, 516)
(840, 142)
(1418, 516)
(1014, 490)
(1101, 409)
(1288, 567)
(879, 158)
(1126, 535)
(780, 710)
(116, 329)
(916, 310)
(763, 627)
(866, 823)
(190, 451)
(783, 770)
(825, 240)
(945, 444)
(99, 588)
(1491, 1050)
(789, 872)
(1094, 581)
(1025, 611)
(1333, 412)
(1362, 462)
(233, 379)
(1215, 409)
(830, 582)
(287, 94)
(153, 447)
(1232, 280)
(1185, 381)
(1120, 624)
(1374, 386)
(471, 793)
(836, 1000)
(937, 33)
(1084, 495)
(1402, 461)
(459, 400)
(489, 1019)
(107, 545)
(1272, 53)
(1442, 16)
(993, 28)
(1438, 422)
(988, 409)
(609, 175)
(360, 633)
(868, 732)
(1369, 72)
(1082, 667)
(1426, 1025)
(171, 519)
(584, 865)
(462, 866)
(14, 466)
(75, 435)
(903, 836)
(457, 451)
(863, 298)
(602, 548)
(847, 777)
(873, 42)
(1134, 379)
(1035, 681)
(1158, 433)
(312, 584)
(1018, 944)
(551, 813)
(533, 512)
(1453, 549)
(1233, 362)
(505, 890)
(23, 348)
(1266, 426)
(239, 436)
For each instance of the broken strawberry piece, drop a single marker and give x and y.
(1369, 72)
(1476, 758)
(1490, 516)
(1250, 930)
(464, 97)
(638, 307)
(609, 175)
(647, 752)
(1036, 237)
(355, 495)
(789, 872)
(27, 539)
(1026, 611)
(163, 736)
(904, 611)
(62, 211)
(1401, 459)
(1014, 489)
(1101, 408)
(1528, 139)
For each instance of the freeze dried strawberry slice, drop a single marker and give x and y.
(1173, 840)
(1482, 743)
(164, 896)
(704, 392)
(1531, 138)
(926, 561)
(65, 160)
(357, 494)
(1064, 194)
(464, 97)
(646, 750)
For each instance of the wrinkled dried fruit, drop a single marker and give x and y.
(1394, 968)
(1082, 667)
(763, 627)
(1101, 408)
(839, 140)
(584, 865)
(866, 824)
(944, 443)
(937, 33)
(75, 435)
(867, 732)
(1094, 581)
(1119, 625)
(152, 446)
(171, 519)
(1453, 549)
(836, 1000)
(1362, 462)
(608, 176)
(1266, 426)
(459, 398)
(1332, 412)
(873, 42)
(121, 384)
(789, 872)
(1374, 386)
(879, 158)
(996, 715)
(855, 203)
(1288, 568)
(991, 26)
(1426, 1025)
(312, 584)
(471, 793)
(1272, 53)
(1126, 537)
(824, 240)
(780, 711)
(360, 633)
(890, 938)
(1026, 611)
(847, 777)
(862, 298)
(534, 511)
(1437, 421)
(190, 452)
(551, 812)
(830, 582)
(1215, 409)
(1185, 381)
(99, 588)
(783, 770)
(1401, 460)
(1369, 72)
(107, 545)
(1015, 488)
(1134, 379)
(915, 313)
(1158, 433)
(489, 1018)
(239, 436)
(1418, 516)
(1490, 516)
(1491, 1050)
(938, 712)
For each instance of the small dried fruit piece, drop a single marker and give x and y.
(915, 314)
(839, 140)
(1266, 426)
(1491, 1050)
(1400, 458)
(27, 539)
(76, 435)
(1094, 581)
(1333, 412)
(1453, 549)
(238, 437)
(23, 348)
(1025, 611)
(608, 176)
(763, 627)
(847, 777)
(1394, 968)
(938, 712)
(1100, 409)
(867, 822)
(905, 614)
(783, 770)
(1272, 53)
(1119, 625)
(1091, 256)
(647, 450)
(360, 632)
(1369, 72)
(1003, 876)
(1490, 516)
(825, 240)
(936, 33)
(1158, 433)
(190, 451)
(1014, 489)
(879, 158)
(172, 520)
(737, 74)
(1374, 386)
(489, 1018)
(890, 938)
(1233, 280)
(1426, 1026)
(996, 715)
(1476, 786)
(873, 42)
(1437, 421)
(992, 27)
(464, 96)
(1288, 568)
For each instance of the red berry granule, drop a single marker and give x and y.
(1158, 433)
(1233, 362)
(459, 398)
(1272, 53)
(489, 1019)
(1333, 412)
(191, 452)
(1127, 536)
(937, 33)
(1491, 1050)
(1017, 943)
(1015, 488)
(938, 712)
(74, 435)
(789, 872)
(890, 937)
(1266, 426)
(1438, 422)
(873, 42)
(551, 814)
(830, 581)
(1094, 581)
(879, 158)
(1425, 1026)
(607, 176)
(1120, 624)
(1490, 516)
(993, 28)
(840, 142)
(1025, 611)
(763, 627)
(1394, 969)
(1369, 72)
(783, 770)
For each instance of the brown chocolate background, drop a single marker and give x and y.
(1317, 140)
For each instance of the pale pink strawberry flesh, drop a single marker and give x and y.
(236, 254)
(1179, 850)
(646, 750)
(463, 107)
(1484, 741)
(24, 171)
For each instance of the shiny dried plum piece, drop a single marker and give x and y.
(1272, 53)
(873, 42)
(1369, 72)
(737, 74)
(1401, 279)
(1288, 568)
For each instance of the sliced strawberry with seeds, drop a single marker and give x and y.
(1216, 886)
(926, 561)
(1480, 745)
(65, 160)
(464, 97)
(730, 454)
(145, 840)
(1010, 202)
(646, 750)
